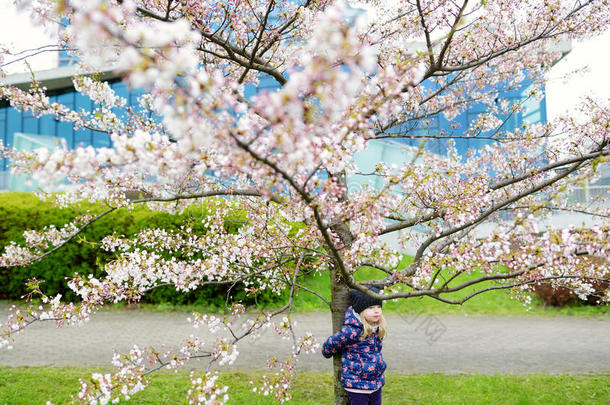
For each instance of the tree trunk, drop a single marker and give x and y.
(339, 303)
(339, 295)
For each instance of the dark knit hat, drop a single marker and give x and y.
(361, 301)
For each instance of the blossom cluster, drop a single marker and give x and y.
(280, 384)
(205, 390)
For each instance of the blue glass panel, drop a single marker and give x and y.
(133, 97)
(416, 130)
(101, 140)
(462, 145)
(121, 90)
(65, 130)
(49, 124)
(468, 143)
(64, 58)
(3, 161)
(82, 102)
(512, 121)
(82, 137)
(12, 121)
(13, 124)
(265, 83)
(268, 83)
(46, 125)
(30, 122)
(534, 110)
(249, 91)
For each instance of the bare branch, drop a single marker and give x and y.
(247, 60)
(545, 34)
(503, 183)
(556, 208)
(262, 28)
(494, 208)
(409, 223)
(509, 286)
(549, 167)
(427, 35)
(458, 18)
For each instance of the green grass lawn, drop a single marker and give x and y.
(37, 385)
(497, 302)
(494, 303)
(491, 303)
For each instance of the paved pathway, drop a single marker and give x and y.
(452, 344)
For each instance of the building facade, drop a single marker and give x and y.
(24, 131)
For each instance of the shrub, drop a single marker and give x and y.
(560, 296)
(554, 296)
(23, 211)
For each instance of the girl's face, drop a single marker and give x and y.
(372, 314)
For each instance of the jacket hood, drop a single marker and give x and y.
(351, 318)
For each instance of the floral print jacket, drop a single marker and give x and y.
(362, 364)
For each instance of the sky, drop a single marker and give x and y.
(564, 94)
(17, 32)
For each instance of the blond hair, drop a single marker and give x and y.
(368, 329)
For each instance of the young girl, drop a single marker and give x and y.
(359, 342)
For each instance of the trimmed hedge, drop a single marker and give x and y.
(24, 211)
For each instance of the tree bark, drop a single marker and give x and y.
(339, 303)
(339, 295)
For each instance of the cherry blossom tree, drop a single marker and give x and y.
(348, 73)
